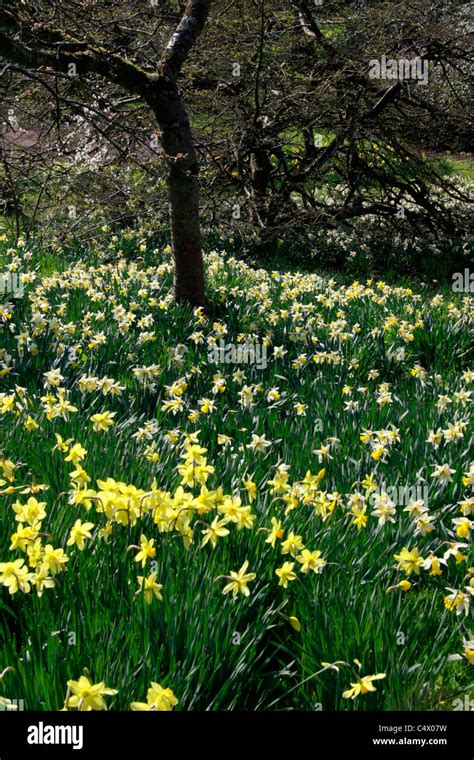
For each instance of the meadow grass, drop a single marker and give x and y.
(354, 384)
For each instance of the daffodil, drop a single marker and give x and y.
(239, 581)
(32, 512)
(463, 526)
(443, 472)
(102, 421)
(259, 443)
(147, 550)
(311, 560)
(295, 623)
(403, 585)
(458, 601)
(409, 561)
(285, 574)
(54, 559)
(276, 532)
(88, 696)
(150, 588)
(79, 532)
(15, 576)
(41, 580)
(76, 454)
(293, 544)
(359, 517)
(158, 699)
(363, 685)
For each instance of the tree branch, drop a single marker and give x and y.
(189, 28)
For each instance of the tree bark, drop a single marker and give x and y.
(178, 145)
(186, 237)
(183, 190)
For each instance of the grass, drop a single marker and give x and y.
(213, 651)
(461, 167)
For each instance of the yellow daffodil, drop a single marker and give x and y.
(239, 581)
(88, 696)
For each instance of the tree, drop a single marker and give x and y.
(39, 40)
(308, 138)
(292, 133)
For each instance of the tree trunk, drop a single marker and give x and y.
(183, 188)
(186, 235)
